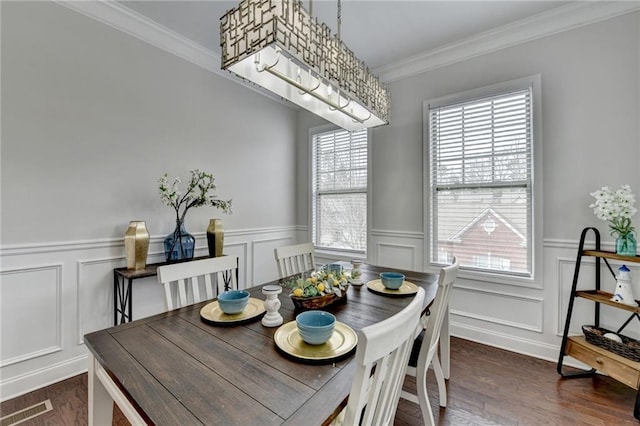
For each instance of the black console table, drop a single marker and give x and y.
(122, 280)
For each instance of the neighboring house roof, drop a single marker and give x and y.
(486, 212)
(458, 211)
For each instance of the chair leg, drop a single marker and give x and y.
(442, 388)
(421, 385)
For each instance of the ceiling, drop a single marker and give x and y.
(379, 32)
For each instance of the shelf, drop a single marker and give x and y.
(611, 255)
(620, 368)
(598, 358)
(605, 298)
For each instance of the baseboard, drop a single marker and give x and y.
(33, 380)
(510, 343)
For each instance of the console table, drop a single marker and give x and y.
(122, 280)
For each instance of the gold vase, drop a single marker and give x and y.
(136, 245)
(215, 237)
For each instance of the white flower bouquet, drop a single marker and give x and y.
(616, 207)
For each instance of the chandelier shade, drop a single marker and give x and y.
(277, 45)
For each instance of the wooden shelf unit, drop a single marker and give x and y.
(599, 359)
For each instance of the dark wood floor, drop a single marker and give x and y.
(488, 386)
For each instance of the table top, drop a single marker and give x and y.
(177, 369)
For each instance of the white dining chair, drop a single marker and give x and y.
(183, 281)
(427, 343)
(381, 362)
(295, 259)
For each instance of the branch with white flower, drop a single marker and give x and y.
(616, 207)
(197, 194)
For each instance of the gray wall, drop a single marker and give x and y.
(91, 118)
(590, 138)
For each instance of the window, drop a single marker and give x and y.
(480, 156)
(339, 187)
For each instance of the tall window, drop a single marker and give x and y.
(481, 180)
(339, 182)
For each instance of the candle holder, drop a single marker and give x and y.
(272, 318)
(356, 275)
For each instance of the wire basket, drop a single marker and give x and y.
(629, 348)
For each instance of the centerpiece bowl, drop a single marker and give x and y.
(317, 289)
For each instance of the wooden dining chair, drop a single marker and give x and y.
(381, 362)
(425, 350)
(183, 281)
(295, 259)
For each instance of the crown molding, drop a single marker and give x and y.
(544, 24)
(139, 26)
(538, 26)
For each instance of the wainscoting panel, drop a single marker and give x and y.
(47, 309)
(396, 249)
(95, 294)
(509, 310)
(32, 297)
(397, 255)
(264, 266)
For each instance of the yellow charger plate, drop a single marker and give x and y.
(406, 289)
(212, 313)
(339, 346)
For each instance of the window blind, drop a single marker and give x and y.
(339, 218)
(481, 182)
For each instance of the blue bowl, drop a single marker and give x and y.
(392, 280)
(233, 301)
(315, 327)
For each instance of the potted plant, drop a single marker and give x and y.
(180, 244)
(617, 207)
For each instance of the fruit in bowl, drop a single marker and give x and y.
(317, 289)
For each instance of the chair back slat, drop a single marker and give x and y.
(433, 323)
(428, 351)
(182, 281)
(381, 362)
(295, 259)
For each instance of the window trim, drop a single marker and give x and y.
(535, 82)
(338, 254)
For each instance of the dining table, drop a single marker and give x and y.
(177, 368)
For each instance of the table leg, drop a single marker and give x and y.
(116, 283)
(122, 300)
(445, 346)
(100, 402)
(130, 299)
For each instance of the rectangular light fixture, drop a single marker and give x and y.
(277, 45)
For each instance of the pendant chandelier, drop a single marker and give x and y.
(277, 45)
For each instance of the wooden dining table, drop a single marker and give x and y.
(176, 369)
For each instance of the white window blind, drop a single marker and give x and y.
(481, 182)
(339, 207)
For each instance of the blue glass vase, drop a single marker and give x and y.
(626, 245)
(179, 244)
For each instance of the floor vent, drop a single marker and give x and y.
(26, 413)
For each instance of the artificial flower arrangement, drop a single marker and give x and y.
(617, 207)
(199, 192)
(319, 288)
